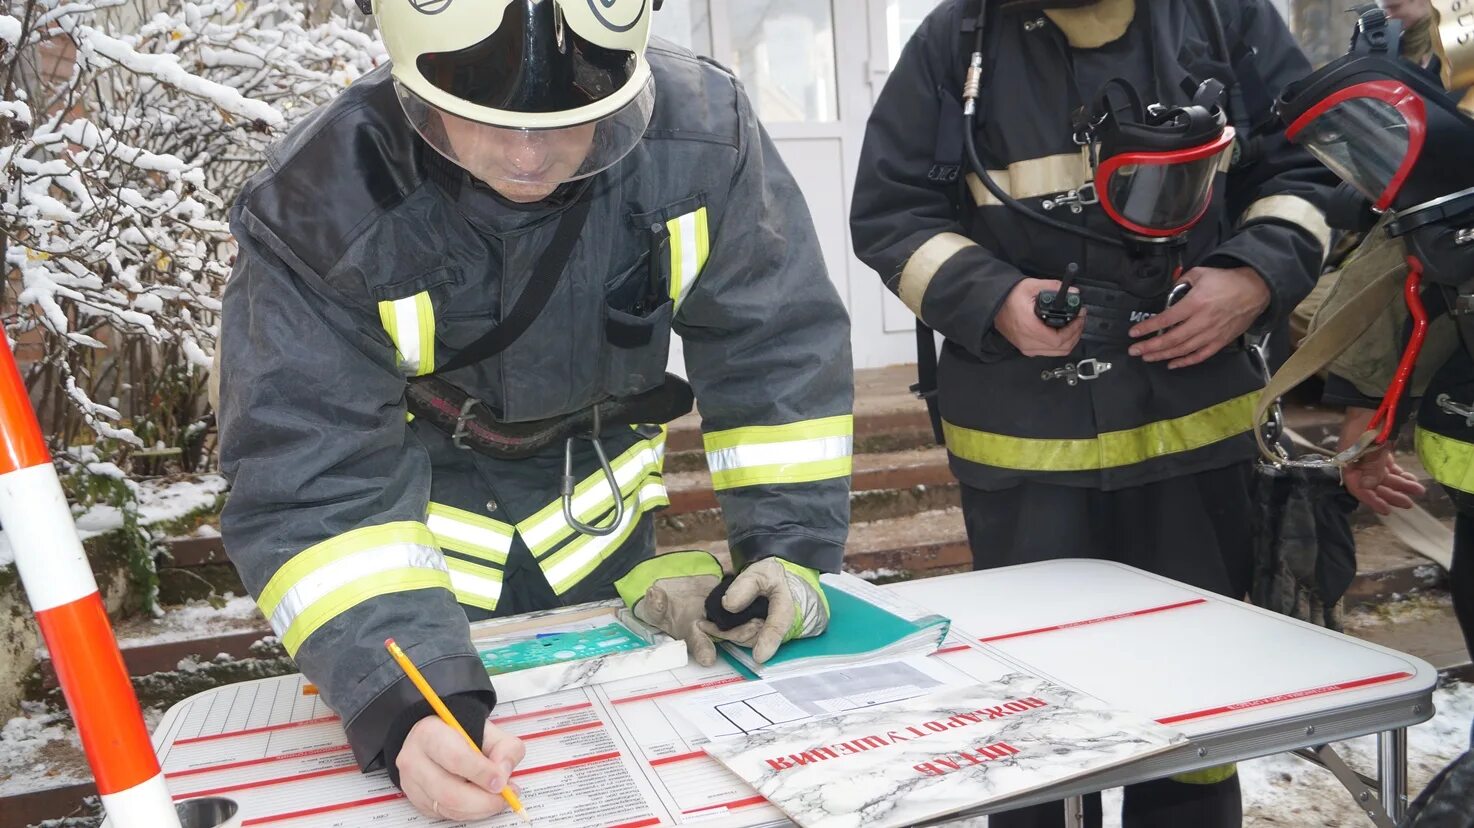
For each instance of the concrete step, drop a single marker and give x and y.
(690, 491)
(888, 417)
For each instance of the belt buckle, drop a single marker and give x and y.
(458, 437)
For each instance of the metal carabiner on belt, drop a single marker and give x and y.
(569, 485)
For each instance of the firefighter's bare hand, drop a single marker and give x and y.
(1018, 324)
(1222, 304)
(1376, 480)
(443, 778)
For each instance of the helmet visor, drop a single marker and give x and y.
(532, 62)
(1162, 194)
(534, 157)
(1369, 135)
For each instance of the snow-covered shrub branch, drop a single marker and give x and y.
(126, 126)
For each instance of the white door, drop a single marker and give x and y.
(808, 71)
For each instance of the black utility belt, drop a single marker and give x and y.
(475, 426)
(1111, 313)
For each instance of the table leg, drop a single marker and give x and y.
(1392, 771)
(1075, 812)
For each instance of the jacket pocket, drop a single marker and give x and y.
(637, 329)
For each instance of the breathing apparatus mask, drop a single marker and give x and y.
(1404, 146)
(1153, 166)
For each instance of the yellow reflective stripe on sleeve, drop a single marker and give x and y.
(470, 533)
(322, 581)
(1033, 178)
(1294, 210)
(923, 265)
(1109, 450)
(799, 452)
(689, 246)
(1450, 461)
(475, 585)
(410, 323)
(571, 564)
(592, 496)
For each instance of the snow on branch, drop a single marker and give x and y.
(126, 127)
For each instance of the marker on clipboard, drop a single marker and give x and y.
(445, 716)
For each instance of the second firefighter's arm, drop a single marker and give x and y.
(326, 516)
(906, 226)
(767, 347)
(1280, 199)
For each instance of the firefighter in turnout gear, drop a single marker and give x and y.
(1126, 432)
(442, 372)
(1413, 160)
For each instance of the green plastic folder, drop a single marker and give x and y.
(858, 630)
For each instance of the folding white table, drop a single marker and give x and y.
(1240, 682)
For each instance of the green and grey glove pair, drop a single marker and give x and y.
(797, 607)
(669, 592)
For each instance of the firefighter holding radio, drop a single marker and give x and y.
(1092, 204)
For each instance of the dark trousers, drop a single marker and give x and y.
(1461, 575)
(1196, 529)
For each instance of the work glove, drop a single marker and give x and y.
(669, 591)
(797, 607)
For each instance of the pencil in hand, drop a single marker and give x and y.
(445, 716)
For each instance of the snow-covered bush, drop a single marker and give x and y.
(126, 126)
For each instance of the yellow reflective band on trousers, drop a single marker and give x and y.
(1450, 461)
(1107, 451)
(475, 585)
(690, 242)
(321, 582)
(470, 533)
(593, 496)
(801, 452)
(568, 566)
(410, 323)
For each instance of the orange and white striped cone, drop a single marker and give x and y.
(63, 594)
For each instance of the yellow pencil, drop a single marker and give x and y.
(445, 716)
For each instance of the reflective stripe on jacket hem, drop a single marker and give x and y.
(568, 566)
(1109, 450)
(593, 496)
(1450, 461)
(470, 533)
